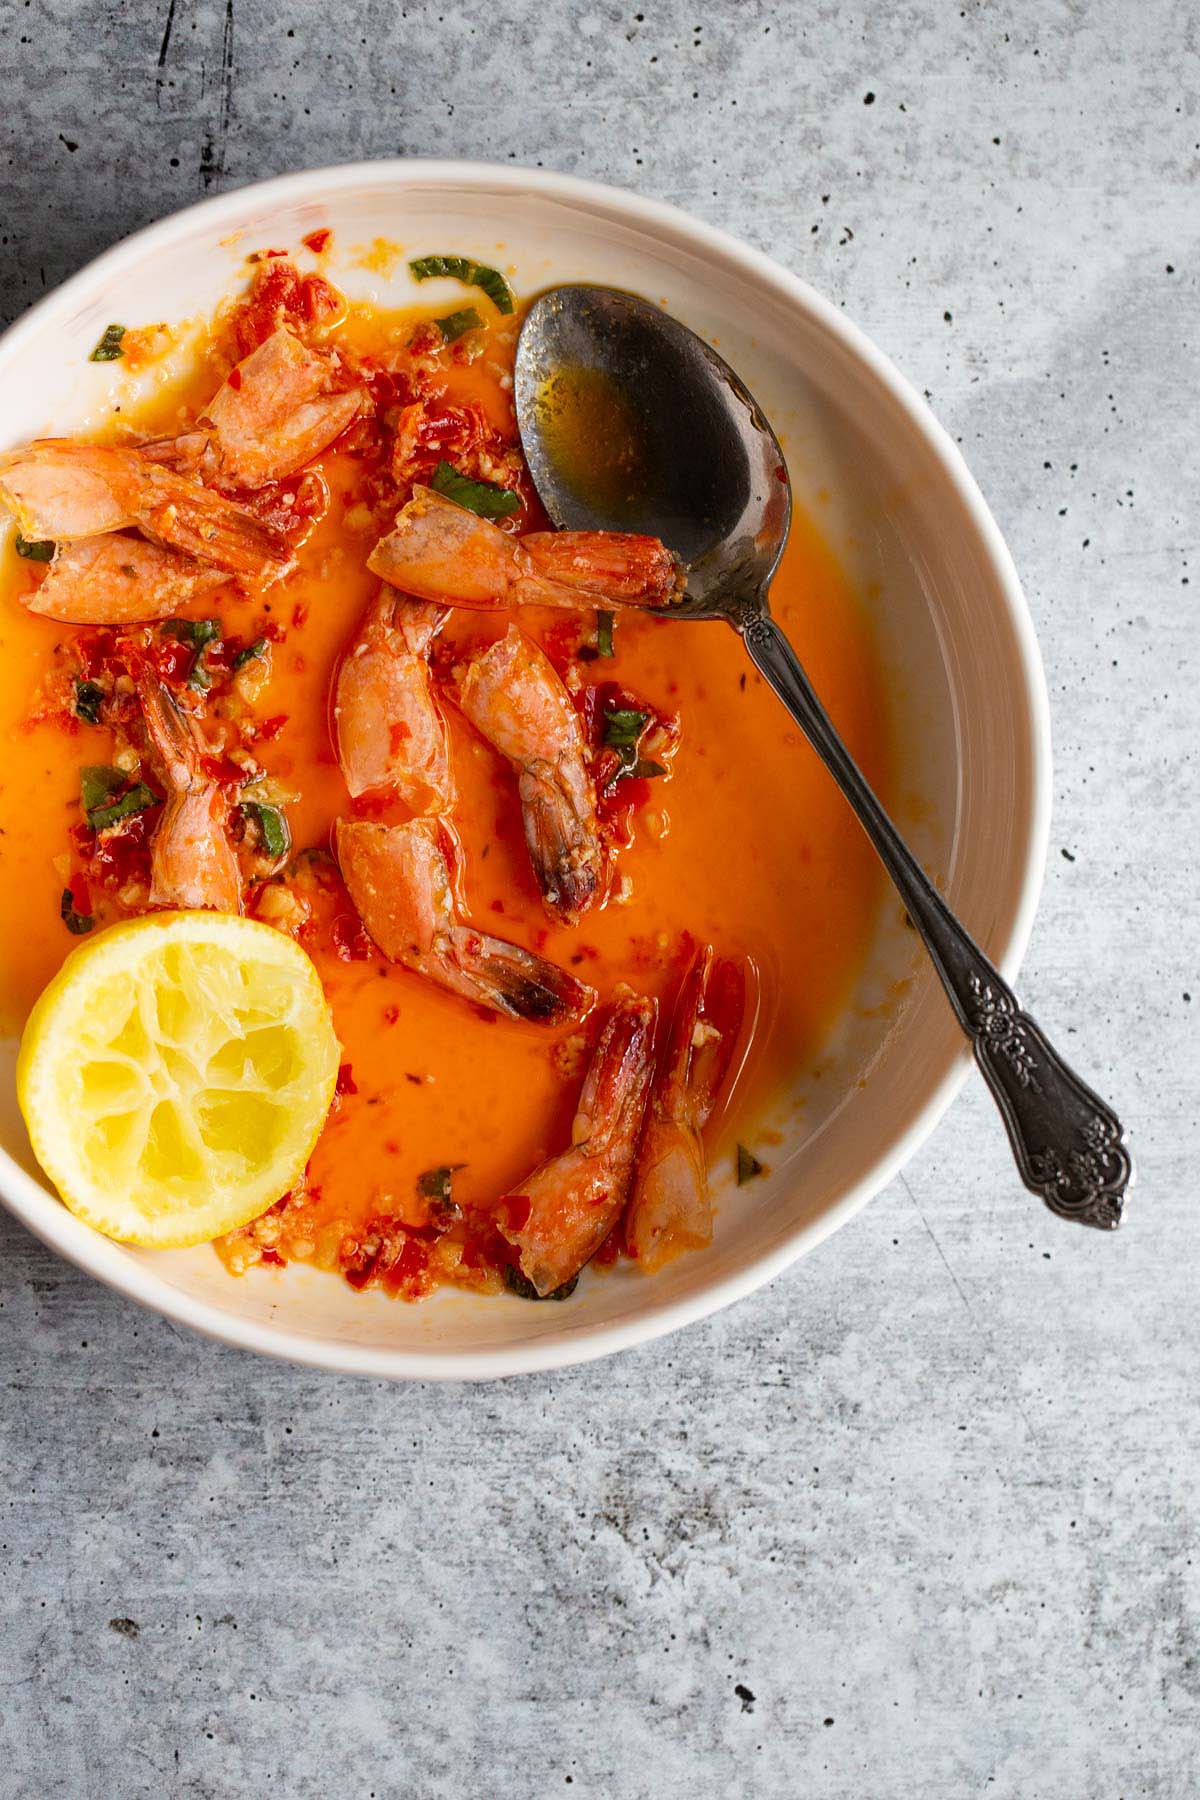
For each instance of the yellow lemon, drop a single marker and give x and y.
(176, 1073)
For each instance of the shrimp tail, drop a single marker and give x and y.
(670, 1208)
(567, 1207)
(173, 736)
(614, 1090)
(192, 862)
(185, 516)
(563, 851)
(617, 567)
(516, 981)
(398, 877)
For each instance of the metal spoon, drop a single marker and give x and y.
(630, 422)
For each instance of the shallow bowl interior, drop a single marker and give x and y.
(966, 695)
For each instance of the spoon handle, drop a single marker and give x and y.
(1069, 1146)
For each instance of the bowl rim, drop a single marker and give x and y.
(45, 1216)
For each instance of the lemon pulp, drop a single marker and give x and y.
(175, 1075)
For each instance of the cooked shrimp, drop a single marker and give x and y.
(564, 1211)
(192, 862)
(512, 694)
(399, 879)
(440, 551)
(119, 580)
(387, 725)
(670, 1210)
(273, 414)
(62, 490)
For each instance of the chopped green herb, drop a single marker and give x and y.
(77, 923)
(273, 829)
(519, 1284)
(482, 497)
(257, 648)
(98, 783)
(109, 347)
(104, 803)
(88, 697)
(35, 549)
(604, 634)
(623, 727)
(138, 799)
(748, 1165)
(434, 1184)
(643, 769)
(196, 632)
(461, 268)
(455, 324)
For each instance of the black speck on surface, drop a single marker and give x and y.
(127, 1628)
(744, 1695)
(868, 99)
(1067, 856)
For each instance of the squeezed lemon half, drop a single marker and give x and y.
(175, 1075)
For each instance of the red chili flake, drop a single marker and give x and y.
(350, 940)
(271, 728)
(409, 1270)
(273, 1257)
(345, 1083)
(299, 614)
(269, 253)
(224, 770)
(235, 380)
(113, 858)
(498, 906)
(391, 1015)
(399, 733)
(317, 241)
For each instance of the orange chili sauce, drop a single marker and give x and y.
(746, 844)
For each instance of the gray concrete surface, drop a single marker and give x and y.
(921, 1519)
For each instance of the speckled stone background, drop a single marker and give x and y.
(921, 1519)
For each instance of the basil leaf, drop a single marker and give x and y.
(748, 1165)
(434, 1184)
(196, 632)
(98, 782)
(461, 268)
(644, 770)
(257, 648)
(273, 829)
(455, 324)
(139, 799)
(77, 923)
(604, 634)
(88, 697)
(109, 347)
(482, 497)
(519, 1284)
(623, 727)
(35, 549)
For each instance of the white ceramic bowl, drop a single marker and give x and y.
(968, 701)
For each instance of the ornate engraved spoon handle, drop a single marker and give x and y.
(1069, 1146)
